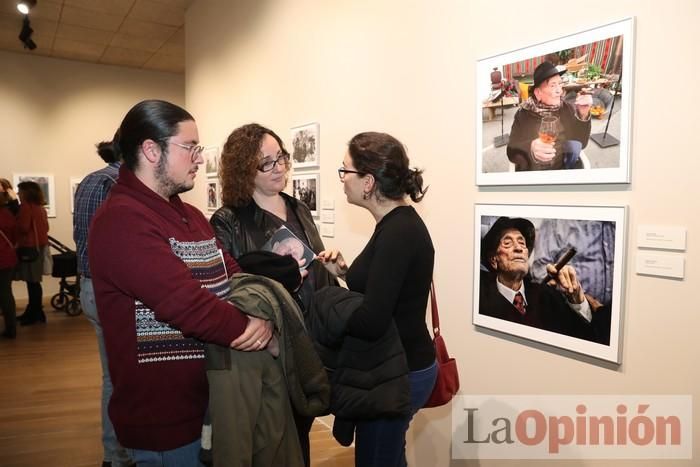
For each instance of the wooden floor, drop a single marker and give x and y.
(50, 399)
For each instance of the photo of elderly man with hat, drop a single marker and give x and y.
(572, 121)
(508, 292)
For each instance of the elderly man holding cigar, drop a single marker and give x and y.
(508, 292)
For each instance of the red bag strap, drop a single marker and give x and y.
(434, 310)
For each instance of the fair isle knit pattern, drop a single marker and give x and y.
(158, 342)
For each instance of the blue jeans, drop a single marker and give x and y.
(382, 443)
(571, 150)
(184, 456)
(113, 451)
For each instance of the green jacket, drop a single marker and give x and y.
(250, 392)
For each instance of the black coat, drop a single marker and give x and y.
(546, 309)
(369, 379)
(526, 127)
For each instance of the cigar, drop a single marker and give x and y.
(561, 262)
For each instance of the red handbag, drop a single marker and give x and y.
(447, 382)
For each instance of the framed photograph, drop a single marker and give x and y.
(306, 187)
(74, 182)
(558, 112)
(517, 249)
(306, 150)
(46, 183)
(213, 195)
(211, 157)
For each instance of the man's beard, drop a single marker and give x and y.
(166, 185)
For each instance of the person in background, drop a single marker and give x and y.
(394, 272)
(13, 204)
(159, 277)
(254, 171)
(8, 260)
(91, 193)
(528, 147)
(33, 230)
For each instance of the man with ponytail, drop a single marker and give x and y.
(159, 275)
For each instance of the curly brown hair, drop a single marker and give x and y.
(239, 163)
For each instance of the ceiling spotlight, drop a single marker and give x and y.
(25, 5)
(25, 34)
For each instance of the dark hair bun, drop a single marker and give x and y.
(414, 185)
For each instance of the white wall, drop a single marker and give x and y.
(52, 112)
(407, 68)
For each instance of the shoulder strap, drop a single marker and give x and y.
(7, 239)
(36, 237)
(434, 310)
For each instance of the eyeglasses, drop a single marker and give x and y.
(342, 171)
(193, 149)
(269, 164)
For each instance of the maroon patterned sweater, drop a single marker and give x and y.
(158, 273)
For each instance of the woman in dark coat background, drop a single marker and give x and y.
(33, 230)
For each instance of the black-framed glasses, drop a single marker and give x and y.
(269, 164)
(342, 171)
(193, 149)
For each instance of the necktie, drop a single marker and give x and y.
(519, 303)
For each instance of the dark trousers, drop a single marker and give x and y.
(7, 300)
(303, 425)
(35, 307)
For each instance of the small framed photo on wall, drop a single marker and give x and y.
(213, 195)
(74, 182)
(306, 187)
(46, 183)
(524, 256)
(211, 158)
(306, 150)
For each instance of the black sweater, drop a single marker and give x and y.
(394, 272)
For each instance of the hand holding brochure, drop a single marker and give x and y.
(284, 242)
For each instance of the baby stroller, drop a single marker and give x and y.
(65, 264)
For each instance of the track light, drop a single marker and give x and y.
(25, 34)
(25, 5)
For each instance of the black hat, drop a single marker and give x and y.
(545, 70)
(283, 269)
(489, 244)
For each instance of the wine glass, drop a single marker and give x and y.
(549, 127)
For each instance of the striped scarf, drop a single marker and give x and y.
(539, 108)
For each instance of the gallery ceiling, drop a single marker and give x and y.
(147, 34)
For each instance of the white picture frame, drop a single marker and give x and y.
(305, 147)
(213, 194)
(46, 182)
(307, 188)
(211, 157)
(558, 227)
(599, 163)
(73, 186)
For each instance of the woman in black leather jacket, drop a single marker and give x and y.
(254, 170)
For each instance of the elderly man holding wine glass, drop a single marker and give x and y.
(548, 132)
